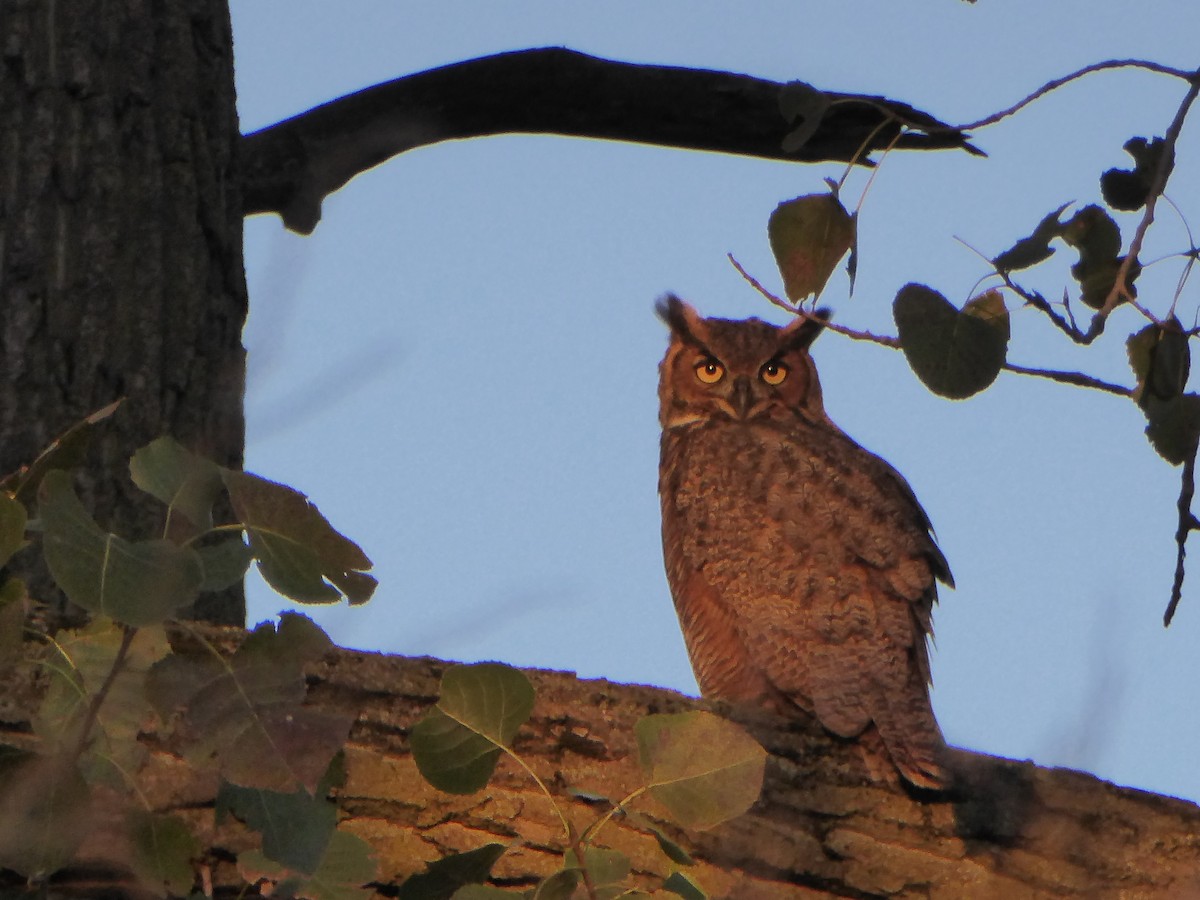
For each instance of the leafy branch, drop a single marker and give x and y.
(959, 352)
(703, 769)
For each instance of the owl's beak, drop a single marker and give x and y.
(740, 398)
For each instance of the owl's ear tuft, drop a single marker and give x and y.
(800, 334)
(682, 318)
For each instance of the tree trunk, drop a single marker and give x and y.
(822, 828)
(120, 244)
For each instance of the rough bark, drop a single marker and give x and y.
(120, 242)
(1008, 830)
(293, 165)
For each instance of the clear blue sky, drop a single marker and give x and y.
(459, 365)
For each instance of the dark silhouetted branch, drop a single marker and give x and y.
(289, 168)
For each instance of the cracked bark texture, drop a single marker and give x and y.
(821, 829)
(120, 242)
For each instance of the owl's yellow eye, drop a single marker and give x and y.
(773, 373)
(710, 371)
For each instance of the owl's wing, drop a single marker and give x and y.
(860, 607)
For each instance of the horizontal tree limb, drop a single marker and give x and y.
(290, 167)
(822, 827)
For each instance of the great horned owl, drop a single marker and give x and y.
(801, 565)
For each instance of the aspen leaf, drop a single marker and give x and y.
(456, 745)
(188, 484)
(299, 553)
(1029, 251)
(809, 235)
(678, 883)
(1129, 189)
(136, 583)
(1173, 426)
(246, 715)
(955, 353)
(704, 769)
(163, 847)
(444, 878)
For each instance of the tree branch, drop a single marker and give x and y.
(290, 167)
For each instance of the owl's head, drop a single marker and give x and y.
(740, 370)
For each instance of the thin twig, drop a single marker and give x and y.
(1187, 524)
(1075, 378)
(93, 712)
(1054, 84)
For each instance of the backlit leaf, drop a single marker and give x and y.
(1174, 426)
(136, 583)
(224, 563)
(954, 353)
(188, 484)
(1129, 189)
(1160, 356)
(1029, 251)
(809, 235)
(299, 553)
(457, 744)
(704, 769)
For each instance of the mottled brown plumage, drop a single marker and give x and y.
(802, 566)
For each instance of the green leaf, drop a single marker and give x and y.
(12, 526)
(809, 235)
(1129, 189)
(1030, 251)
(296, 827)
(163, 848)
(798, 100)
(680, 884)
(246, 715)
(347, 866)
(673, 851)
(188, 484)
(45, 802)
(559, 886)
(955, 354)
(702, 768)
(140, 583)
(1093, 233)
(1174, 426)
(224, 563)
(88, 656)
(608, 870)
(481, 707)
(443, 878)
(1160, 357)
(299, 553)
(64, 452)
